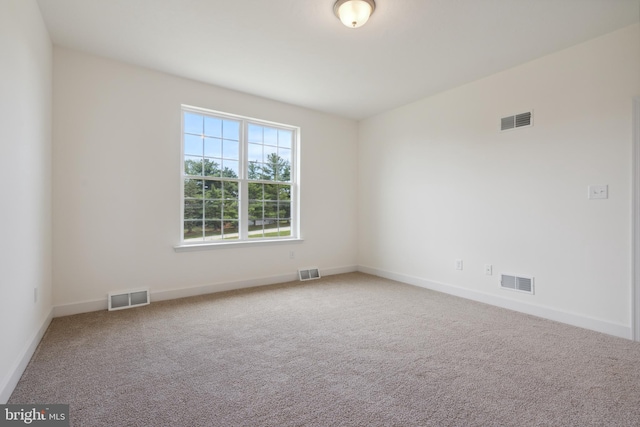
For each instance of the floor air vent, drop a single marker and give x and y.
(516, 121)
(122, 300)
(309, 273)
(517, 283)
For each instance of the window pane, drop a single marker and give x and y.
(271, 192)
(284, 138)
(193, 123)
(212, 190)
(270, 210)
(269, 171)
(230, 209)
(255, 191)
(270, 225)
(284, 228)
(254, 170)
(193, 209)
(192, 145)
(230, 149)
(193, 188)
(213, 147)
(192, 165)
(255, 153)
(255, 133)
(213, 230)
(270, 136)
(212, 209)
(276, 169)
(284, 210)
(212, 167)
(230, 191)
(284, 192)
(231, 169)
(231, 130)
(256, 213)
(283, 171)
(213, 127)
(193, 230)
(272, 232)
(285, 155)
(270, 153)
(230, 230)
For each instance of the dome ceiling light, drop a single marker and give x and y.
(354, 13)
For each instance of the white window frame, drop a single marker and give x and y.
(243, 181)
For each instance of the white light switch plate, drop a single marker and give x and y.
(598, 191)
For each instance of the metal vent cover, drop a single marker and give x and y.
(517, 283)
(310, 273)
(128, 299)
(516, 121)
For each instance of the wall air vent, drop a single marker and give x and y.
(516, 121)
(517, 283)
(122, 300)
(309, 273)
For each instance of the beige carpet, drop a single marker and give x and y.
(348, 350)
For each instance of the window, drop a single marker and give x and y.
(238, 178)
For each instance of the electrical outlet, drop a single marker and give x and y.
(458, 264)
(598, 192)
(292, 254)
(488, 269)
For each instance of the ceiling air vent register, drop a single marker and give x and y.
(516, 121)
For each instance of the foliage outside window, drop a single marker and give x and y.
(238, 180)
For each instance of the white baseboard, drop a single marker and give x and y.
(7, 387)
(80, 307)
(96, 305)
(101, 304)
(337, 270)
(598, 325)
(241, 284)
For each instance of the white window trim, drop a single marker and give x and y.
(244, 240)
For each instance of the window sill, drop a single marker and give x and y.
(228, 245)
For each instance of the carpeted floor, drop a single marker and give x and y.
(347, 350)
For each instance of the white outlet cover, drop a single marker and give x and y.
(598, 192)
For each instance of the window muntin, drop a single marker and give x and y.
(238, 180)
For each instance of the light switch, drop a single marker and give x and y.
(598, 191)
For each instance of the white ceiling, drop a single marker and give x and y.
(298, 52)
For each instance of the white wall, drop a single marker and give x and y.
(117, 176)
(437, 182)
(25, 192)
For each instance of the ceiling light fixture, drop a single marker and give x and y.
(354, 13)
